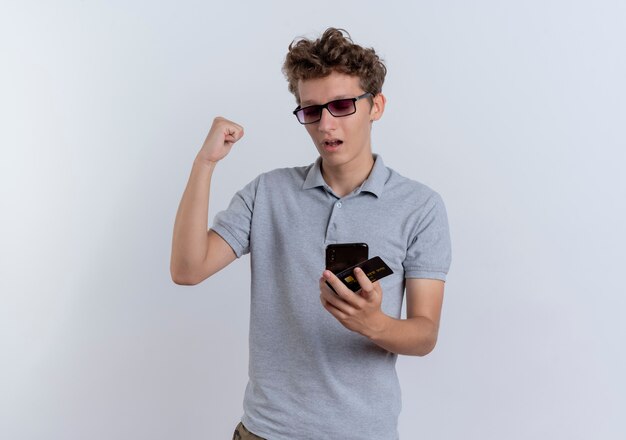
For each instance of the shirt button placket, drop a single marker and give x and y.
(331, 231)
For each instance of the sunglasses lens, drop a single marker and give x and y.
(310, 114)
(342, 107)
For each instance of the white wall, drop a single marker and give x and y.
(513, 111)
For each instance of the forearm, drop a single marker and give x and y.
(415, 336)
(189, 243)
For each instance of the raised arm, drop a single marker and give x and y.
(198, 253)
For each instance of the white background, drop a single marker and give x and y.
(513, 111)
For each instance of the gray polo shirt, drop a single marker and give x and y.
(310, 377)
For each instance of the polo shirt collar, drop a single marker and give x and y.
(374, 183)
(314, 177)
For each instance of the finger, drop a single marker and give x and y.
(341, 290)
(233, 133)
(333, 299)
(367, 287)
(332, 309)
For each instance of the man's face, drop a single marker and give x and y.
(341, 140)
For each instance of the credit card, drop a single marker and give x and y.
(375, 269)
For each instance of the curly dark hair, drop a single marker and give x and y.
(333, 52)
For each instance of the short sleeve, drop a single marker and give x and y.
(429, 252)
(233, 224)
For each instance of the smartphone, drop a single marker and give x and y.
(341, 256)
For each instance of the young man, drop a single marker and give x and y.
(322, 364)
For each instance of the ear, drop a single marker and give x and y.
(378, 107)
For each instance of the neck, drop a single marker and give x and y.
(345, 178)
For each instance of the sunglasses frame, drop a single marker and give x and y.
(326, 106)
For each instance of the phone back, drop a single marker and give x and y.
(341, 256)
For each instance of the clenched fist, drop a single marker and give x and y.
(222, 135)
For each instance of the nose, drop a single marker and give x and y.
(327, 121)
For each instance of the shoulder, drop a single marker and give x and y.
(278, 181)
(286, 175)
(411, 191)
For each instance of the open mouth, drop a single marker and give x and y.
(332, 143)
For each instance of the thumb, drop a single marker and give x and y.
(367, 288)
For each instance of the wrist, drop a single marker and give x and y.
(205, 163)
(378, 326)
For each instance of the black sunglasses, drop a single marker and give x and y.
(337, 108)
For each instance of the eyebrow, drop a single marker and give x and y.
(309, 102)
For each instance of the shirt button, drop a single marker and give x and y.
(338, 205)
